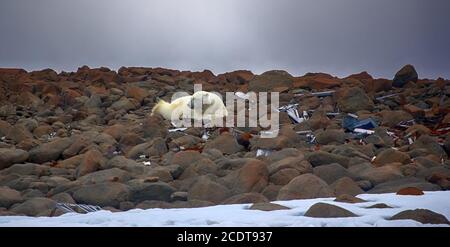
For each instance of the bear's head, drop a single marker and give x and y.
(201, 99)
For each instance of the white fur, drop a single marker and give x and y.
(211, 104)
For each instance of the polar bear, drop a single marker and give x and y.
(201, 106)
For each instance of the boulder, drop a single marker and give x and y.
(348, 199)
(284, 153)
(410, 191)
(103, 176)
(226, 143)
(330, 173)
(158, 191)
(37, 206)
(353, 99)
(252, 177)
(179, 196)
(391, 155)
(293, 162)
(406, 74)
(190, 141)
(63, 198)
(274, 80)
(116, 131)
(9, 197)
(135, 169)
(330, 136)
(246, 198)
(19, 133)
(123, 104)
(319, 158)
(379, 206)
(305, 186)
(9, 157)
(423, 216)
(153, 127)
(271, 191)
(430, 144)
(325, 210)
(201, 167)
(397, 184)
(186, 158)
(91, 162)
(205, 189)
(5, 127)
(393, 118)
(346, 186)
(379, 175)
(139, 94)
(49, 151)
(153, 204)
(26, 169)
(283, 176)
(267, 206)
(105, 194)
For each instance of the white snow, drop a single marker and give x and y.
(239, 215)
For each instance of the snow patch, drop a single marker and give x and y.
(240, 215)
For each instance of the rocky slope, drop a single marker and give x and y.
(87, 137)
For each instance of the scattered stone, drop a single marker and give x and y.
(348, 199)
(252, 177)
(423, 216)
(246, 198)
(91, 162)
(330, 136)
(49, 151)
(379, 206)
(179, 196)
(344, 186)
(353, 99)
(63, 198)
(324, 158)
(267, 206)
(206, 190)
(274, 80)
(9, 157)
(396, 184)
(404, 75)
(9, 197)
(325, 210)
(410, 191)
(226, 143)
(103, 176)
(144, 191)
(330, 173)
(37, 206)
(305, 186)
(105, 194)
(390, 155)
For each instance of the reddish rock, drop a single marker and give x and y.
(252, 177)
(377, 85)
(137, 93)
(353, 99)
(267, 206)
(91, 162)
(305, 186)
(410, 191)
(270, 80)
(317, 81)
(390, 155)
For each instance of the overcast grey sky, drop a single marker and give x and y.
(340, 37)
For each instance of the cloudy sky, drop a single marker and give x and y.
(340, 37)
